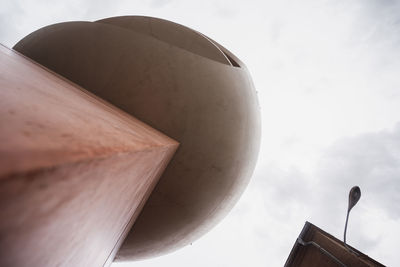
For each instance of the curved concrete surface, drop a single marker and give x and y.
(190, 92)
(171, 33)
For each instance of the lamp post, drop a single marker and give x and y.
(354, 197)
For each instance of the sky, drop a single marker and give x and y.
(327, 76)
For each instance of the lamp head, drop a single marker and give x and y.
(354, 197)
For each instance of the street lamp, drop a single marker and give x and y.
(354, 197)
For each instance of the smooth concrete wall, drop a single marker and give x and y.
(181, 83)
(74, 170)
(172, 34)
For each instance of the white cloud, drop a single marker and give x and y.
(370, 160)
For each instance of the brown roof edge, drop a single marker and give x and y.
(307, 237)
(296, 245)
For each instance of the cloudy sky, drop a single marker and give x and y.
(327, 76)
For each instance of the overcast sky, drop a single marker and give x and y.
(328, 80)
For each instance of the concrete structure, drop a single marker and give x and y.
(181, 83)
(315, 247)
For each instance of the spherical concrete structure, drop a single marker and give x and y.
(181, 83)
